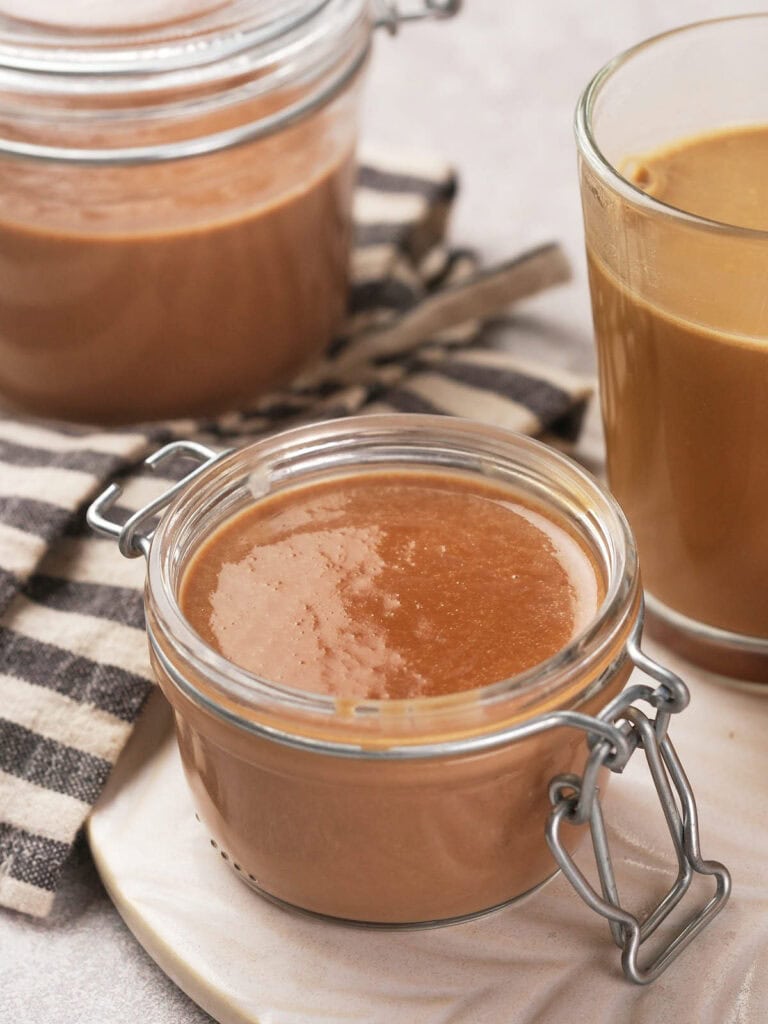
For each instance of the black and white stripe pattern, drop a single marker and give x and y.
(74, 672)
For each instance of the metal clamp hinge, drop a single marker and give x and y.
(391, 15)
(135, 535)
(576, 801)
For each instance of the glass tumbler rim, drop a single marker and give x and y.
(590, 150)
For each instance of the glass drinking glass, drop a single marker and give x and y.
(681, 321)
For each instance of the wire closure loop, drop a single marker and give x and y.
(391, 15)
(613, 735)
(131, 541)
(575, 801)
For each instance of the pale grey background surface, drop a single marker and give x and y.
(494, 93)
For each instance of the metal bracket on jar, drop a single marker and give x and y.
(391, 15)
(576, 801)
(135, 535)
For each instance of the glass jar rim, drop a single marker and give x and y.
(205, 36)
(599, 163)
(314, 54)
(401, 430)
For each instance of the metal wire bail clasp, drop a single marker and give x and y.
(131, 539)
(576, 801)
(391, 15)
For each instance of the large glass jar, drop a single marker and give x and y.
(404, 811)
(175, 188)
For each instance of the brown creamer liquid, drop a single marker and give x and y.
(390, 585)
(684, 377)
(185, 288)
(398, 583)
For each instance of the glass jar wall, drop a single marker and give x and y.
(385, 811)
(175, 189)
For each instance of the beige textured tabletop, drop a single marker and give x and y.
(494, 93)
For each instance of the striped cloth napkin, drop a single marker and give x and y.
(74, 671)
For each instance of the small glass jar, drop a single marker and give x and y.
(399, 811)
(175, 193)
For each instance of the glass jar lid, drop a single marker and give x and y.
(100, 36)
(94, 81)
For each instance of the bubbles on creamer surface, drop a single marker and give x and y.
(391, 585)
